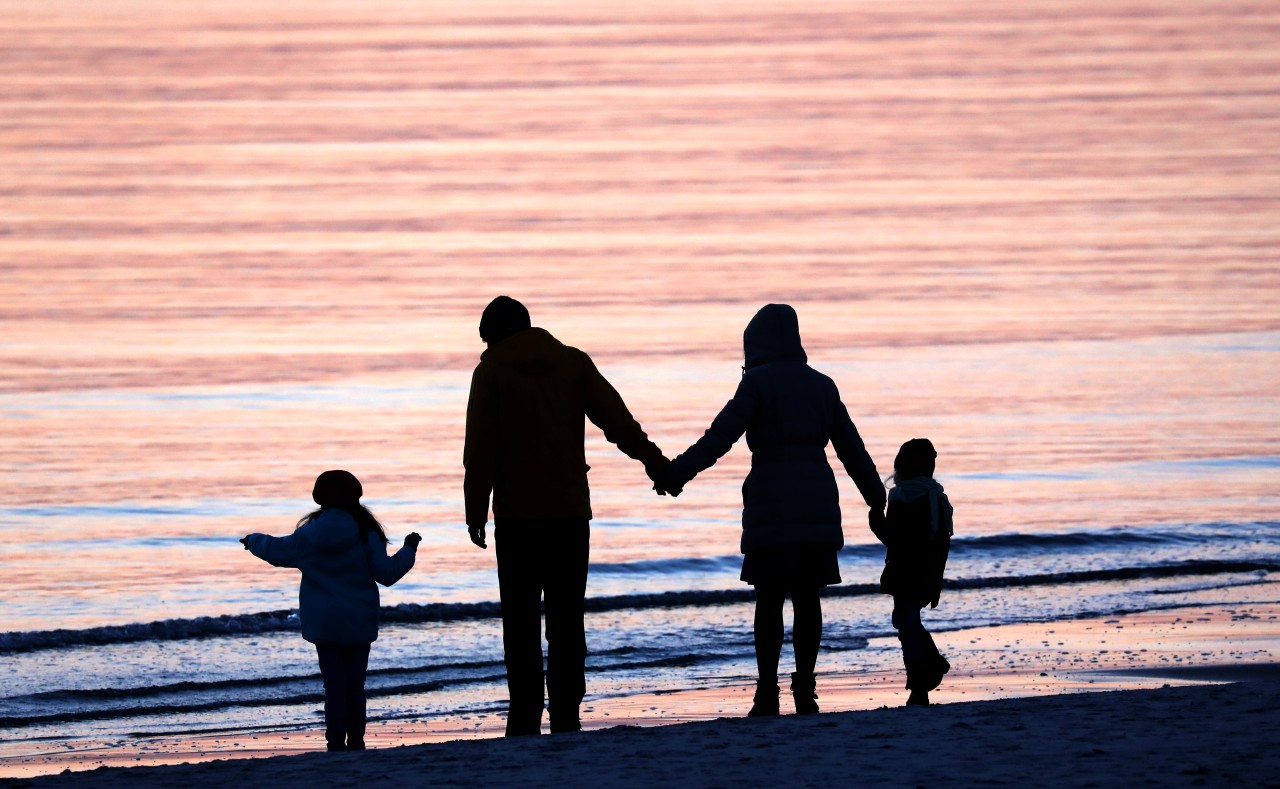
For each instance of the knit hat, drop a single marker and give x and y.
(915, 459)
(337, 488)
(502, 318)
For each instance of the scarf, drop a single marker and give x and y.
(908, 490)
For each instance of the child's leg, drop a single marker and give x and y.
(356, 660)
(333, 670)
(911, 634)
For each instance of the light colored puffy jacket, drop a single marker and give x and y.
(338, 596)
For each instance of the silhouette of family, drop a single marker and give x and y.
(524, 457)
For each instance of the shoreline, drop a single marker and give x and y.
(1116, 738)
(1141, 651)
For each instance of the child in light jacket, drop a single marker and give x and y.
(916, 532)
(341, 550)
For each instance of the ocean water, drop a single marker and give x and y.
(240, 246)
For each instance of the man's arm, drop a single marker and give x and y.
(606, 411)
(480, 451)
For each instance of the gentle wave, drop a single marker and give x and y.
(415, 613)
(79, 700)
(1031, 544)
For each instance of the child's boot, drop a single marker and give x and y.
(804, 692)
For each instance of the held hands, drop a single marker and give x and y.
(245, 542)
(413, 539)
(477, 535)
(659, 475)
(876, 519)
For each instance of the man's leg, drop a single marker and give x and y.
(568, 544)
(521, 596)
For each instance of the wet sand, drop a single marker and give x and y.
(1034, 672)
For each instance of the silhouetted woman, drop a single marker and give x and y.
(791, 505)
(341, 550)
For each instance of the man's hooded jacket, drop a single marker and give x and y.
(526, 418)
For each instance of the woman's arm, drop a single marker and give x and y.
(856, 460)
(725, 430)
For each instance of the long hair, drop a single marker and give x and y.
(363, 518)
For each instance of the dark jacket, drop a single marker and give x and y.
(916, 532)
(530, 397)
(789, 412)
(338, 596)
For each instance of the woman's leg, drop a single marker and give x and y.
(806, 629)
(768, 638)
(806, 638)
(768, 631)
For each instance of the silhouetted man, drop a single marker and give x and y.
(530, 397)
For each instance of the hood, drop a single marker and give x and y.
(940, 510)
(773, 335)
(531, 352)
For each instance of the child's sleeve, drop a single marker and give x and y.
(279, 551)
(389, 569)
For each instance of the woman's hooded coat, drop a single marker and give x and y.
(789, 412)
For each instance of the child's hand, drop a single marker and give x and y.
(413, 539)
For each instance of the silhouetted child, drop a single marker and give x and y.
(341, 550)
(916, 532)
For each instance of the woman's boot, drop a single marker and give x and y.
(804, 691)
(766, 700)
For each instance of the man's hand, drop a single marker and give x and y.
(413, 539)
(477, 535)
(661, 480)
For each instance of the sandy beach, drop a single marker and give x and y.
(1120, 738)
(245, 242)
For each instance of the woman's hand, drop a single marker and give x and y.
(413, 539)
